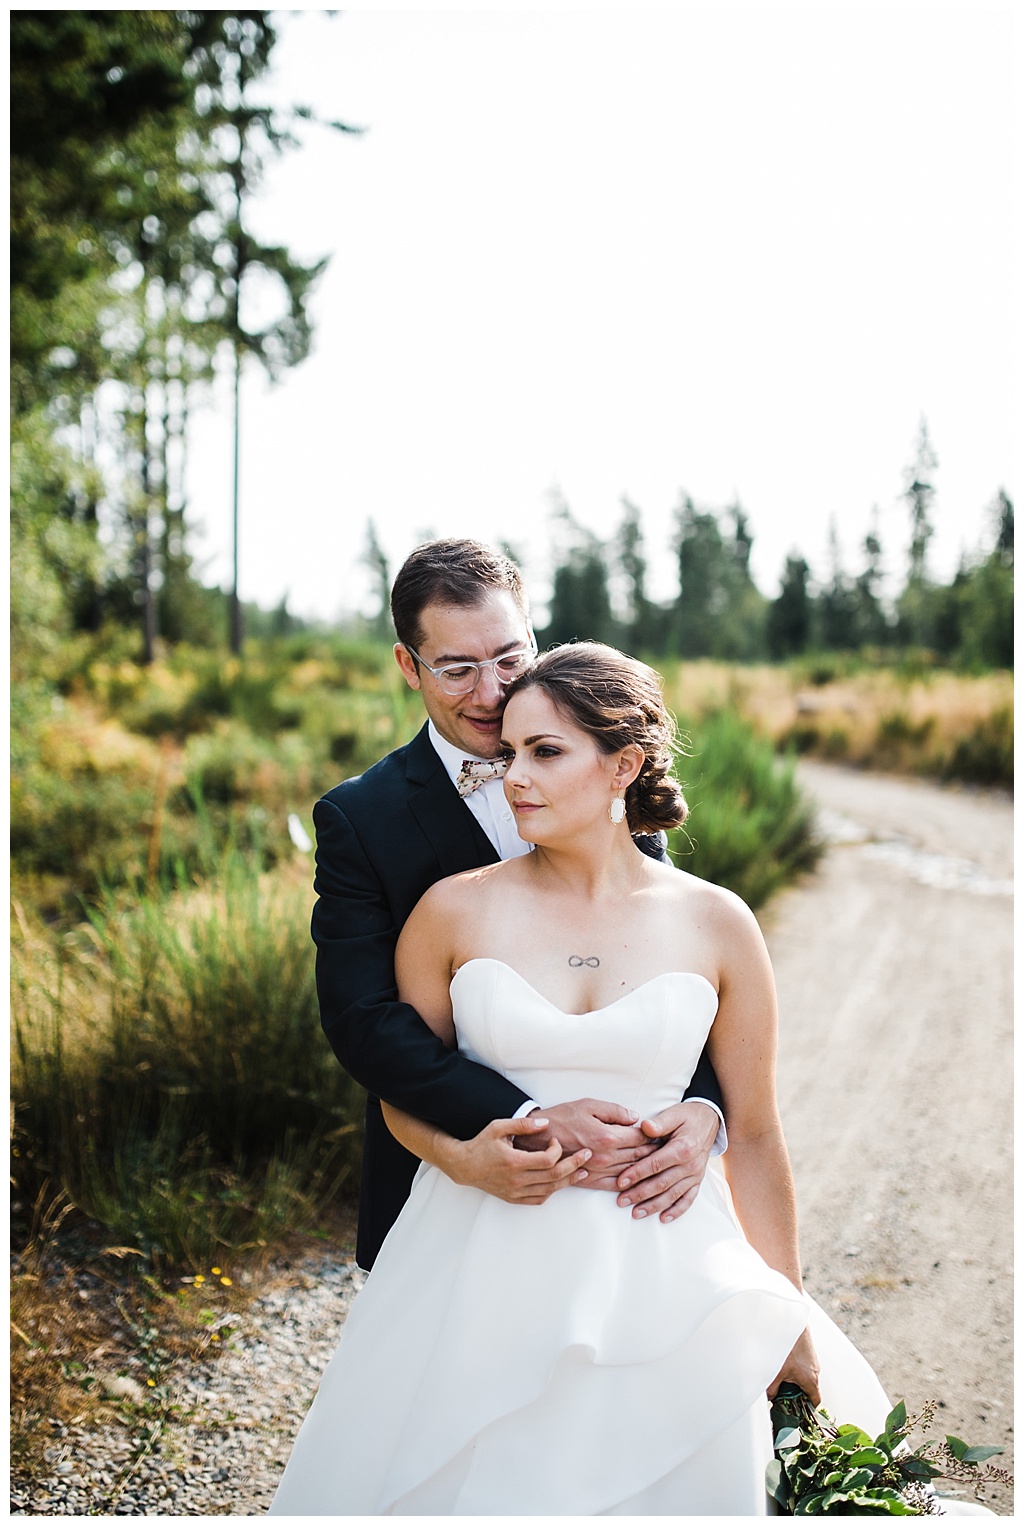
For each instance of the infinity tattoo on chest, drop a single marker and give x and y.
(576, 961)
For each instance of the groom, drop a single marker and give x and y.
(430, 809)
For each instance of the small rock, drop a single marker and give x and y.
(116, 1387)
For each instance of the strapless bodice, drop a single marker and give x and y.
(639, 1051)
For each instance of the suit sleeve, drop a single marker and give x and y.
(704, 1085)
(380, 1040)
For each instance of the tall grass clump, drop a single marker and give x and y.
(983, 754)
(750, 829)
(169, 1073)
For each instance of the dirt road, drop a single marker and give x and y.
(893, 963)
(894, 968)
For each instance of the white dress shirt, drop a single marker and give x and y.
(492, 811)
(488, 803)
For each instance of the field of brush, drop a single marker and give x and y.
(169, 1077)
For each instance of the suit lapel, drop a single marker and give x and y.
(450, 827)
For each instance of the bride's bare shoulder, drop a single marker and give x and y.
(718, 909)
(457, 894)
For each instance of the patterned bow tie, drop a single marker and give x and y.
(475, 772)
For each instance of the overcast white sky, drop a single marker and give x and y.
(735, 251)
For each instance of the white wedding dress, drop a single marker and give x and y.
(564, 1359)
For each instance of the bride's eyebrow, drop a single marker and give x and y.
(530, 741)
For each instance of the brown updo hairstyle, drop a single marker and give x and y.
(617, 701)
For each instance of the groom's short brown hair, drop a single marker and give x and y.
(450, 572)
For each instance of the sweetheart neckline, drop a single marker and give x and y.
(595, 1011)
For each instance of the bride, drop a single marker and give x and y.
(562, 1357)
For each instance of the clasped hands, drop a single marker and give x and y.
(655, 1165)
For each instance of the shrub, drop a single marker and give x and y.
(750, 829)
(896, 730)
(985, 754)
(800, 738)
(836, 743)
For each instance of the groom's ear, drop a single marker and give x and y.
(407, 663)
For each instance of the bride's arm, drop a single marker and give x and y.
(743, 1046)
(424, 963)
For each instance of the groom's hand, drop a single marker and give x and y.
(667, 1181)
(491, 1162)
(611, 1133)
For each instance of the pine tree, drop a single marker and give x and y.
(789, 616)
(872, 628)
(637, 625)
(836, 607)
(916, 607)
(581, 607)
(374, 558)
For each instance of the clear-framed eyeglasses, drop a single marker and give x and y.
(463, 677)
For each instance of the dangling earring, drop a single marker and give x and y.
(617, 810)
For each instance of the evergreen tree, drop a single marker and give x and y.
(719, 612)
(915, 606)
(374, 558)
(743, 631)
(83, 85)
(986, 598)
(638, 625)
(789, 616)
(836, 607)
(871, 625)
(133, 147)
(248, 133)
(919, 493)
(1003, 510)
(581, 606)
(701, 601)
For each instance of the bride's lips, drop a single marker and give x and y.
(526, 805)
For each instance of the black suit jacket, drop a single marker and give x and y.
(382, 840)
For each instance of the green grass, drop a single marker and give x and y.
(169, 1073)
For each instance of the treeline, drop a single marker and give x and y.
(600, 589)
(135, 144)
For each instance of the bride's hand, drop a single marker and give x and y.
(491, 1162)
(801, 1368)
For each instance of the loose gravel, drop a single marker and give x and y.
(224, 1447)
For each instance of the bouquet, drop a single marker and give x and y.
(823, 1469)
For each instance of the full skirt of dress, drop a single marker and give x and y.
(564, 1359)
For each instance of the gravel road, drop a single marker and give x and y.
(893, 963)
(894, 967)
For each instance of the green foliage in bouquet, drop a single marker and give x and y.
(823, 1469)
